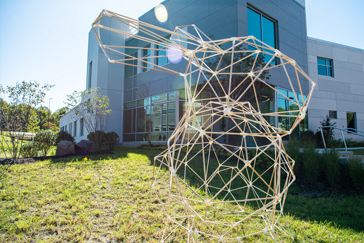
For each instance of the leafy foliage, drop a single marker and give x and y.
(29, 149)
(356, 171)
(311, 164)
(45, 139)
(332, 166)
(293, 150)
(23, 97)
(92, 107)
(63, 135)
(112, 139)
(97, 138)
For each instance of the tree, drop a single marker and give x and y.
(58, 114)
(33, 121)
(92, 107)
(23, 98)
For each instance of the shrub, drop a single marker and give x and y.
(44, 139)
(97, 138)
(332, 166)
(112, 139)
(311, 164)
(29, 149)
(293, 150)
(62, 135)
(356, 171)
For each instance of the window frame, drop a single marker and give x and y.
(147, 66)
(331, 66)
(355, 121)
(332, 114)
(275, 22)
(275, 28)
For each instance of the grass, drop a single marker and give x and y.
(108, 198)
(358, 151)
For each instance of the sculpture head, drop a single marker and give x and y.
(230, 71)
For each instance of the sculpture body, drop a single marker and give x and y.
(227, 167)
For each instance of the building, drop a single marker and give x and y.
(338, 70)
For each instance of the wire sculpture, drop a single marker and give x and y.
(227, 168)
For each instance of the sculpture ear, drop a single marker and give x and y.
(137, 44)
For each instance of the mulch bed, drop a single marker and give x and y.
(5, 161)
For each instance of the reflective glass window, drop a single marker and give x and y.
(159, 98)
(129, 105)
(254, 24)
(141, 119)
(146, 54)
(127, 121)
(131, 70)
(161, 52)
(172, 96)
(263, 29)
(171, 116)
(324, 66)
(156, 118)
(128, 96)
(164, 117)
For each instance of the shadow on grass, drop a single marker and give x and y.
(339, 210)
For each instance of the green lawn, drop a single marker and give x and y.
(108, 198)
(358, 151)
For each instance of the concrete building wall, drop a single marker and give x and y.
(343, 91)
(107, 76)
(64, 125)
(224, 19)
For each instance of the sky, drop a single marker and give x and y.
(47, 41)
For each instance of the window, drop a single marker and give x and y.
(151, 116)
(351, 120)
(70, 128)
(146, 54)
(286, 106)
(162, 53)
(263, 28)
(333, 114)
(81, 127)
(75, 128)
(324, 67)
(65, 128)
(89, 75)
(131, 70)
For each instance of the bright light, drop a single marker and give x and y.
(174, 54)
(161, 13)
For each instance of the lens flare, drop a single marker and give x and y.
(161, 13)
(174, 54)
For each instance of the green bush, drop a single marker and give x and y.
(44, 139)
(356, 171)
(112, 139)
(332, 166)
(97, 138)
(311, 164)
(29, 149)
(62, 135)
(293, 150)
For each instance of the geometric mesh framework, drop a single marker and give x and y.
(224, 184)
